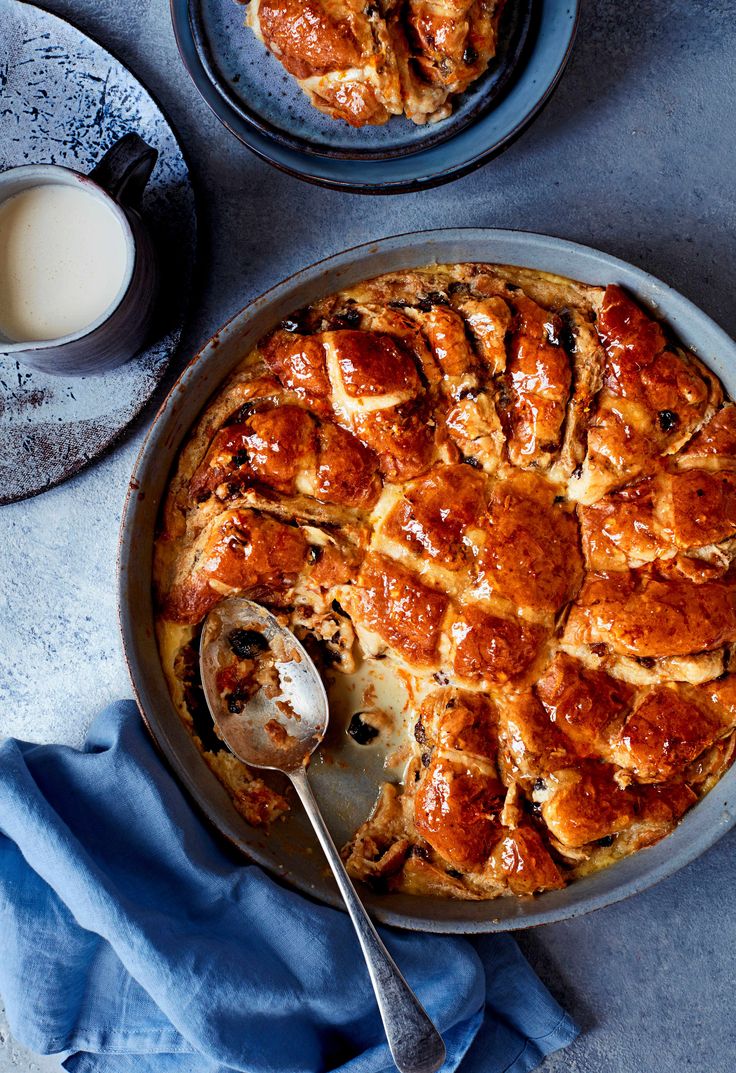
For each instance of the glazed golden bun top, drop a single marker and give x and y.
(522, 494)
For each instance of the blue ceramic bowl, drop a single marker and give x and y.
(263, 106)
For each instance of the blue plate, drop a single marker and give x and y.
(263, 106)
(268, 100)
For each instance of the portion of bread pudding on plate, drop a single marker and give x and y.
(364, 62)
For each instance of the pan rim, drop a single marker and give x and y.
(702, 826)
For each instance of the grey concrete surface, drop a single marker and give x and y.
(634, 154)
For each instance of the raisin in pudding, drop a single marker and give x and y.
(517, 494)
(250, 668)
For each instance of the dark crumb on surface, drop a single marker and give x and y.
(247, 644)
(362, 733)
(347, 318)
(434, 298)
(420, 733)
(472, 462)
(668, 420)
(236, 702)
(456, 289)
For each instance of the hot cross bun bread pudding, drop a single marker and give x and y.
(364, 62)
(517, 494)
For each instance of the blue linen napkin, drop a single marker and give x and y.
(129, 939)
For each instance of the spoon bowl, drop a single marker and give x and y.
(270, 707)
(300, 708)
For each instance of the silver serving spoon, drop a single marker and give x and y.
(281, 733)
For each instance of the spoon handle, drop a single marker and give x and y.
(415, 1043)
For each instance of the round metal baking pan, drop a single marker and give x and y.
(347, 788)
